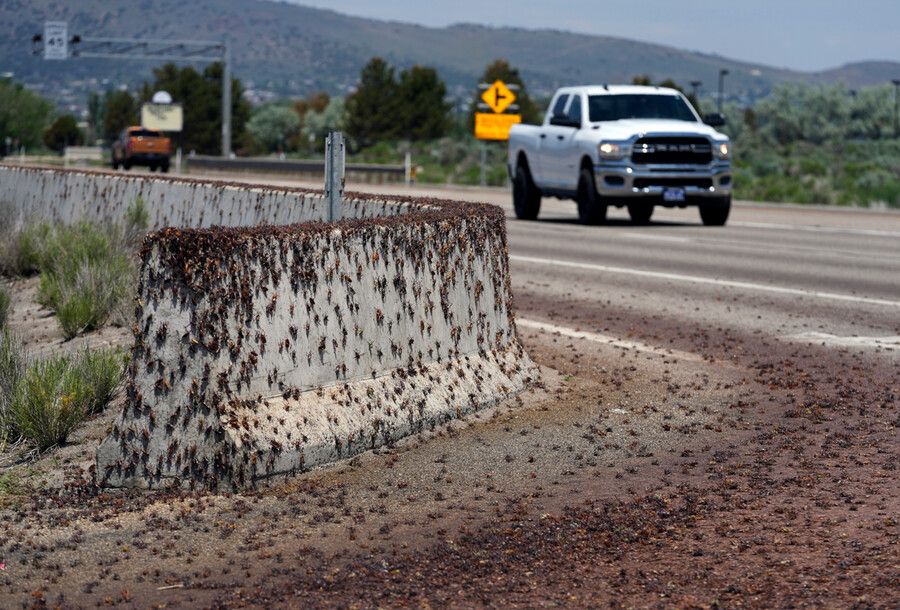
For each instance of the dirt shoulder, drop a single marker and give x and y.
(762, 477)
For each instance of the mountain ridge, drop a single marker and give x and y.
(293, 49)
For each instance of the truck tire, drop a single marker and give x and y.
(591, 207)
(640, 213)
(126, 164)
(164, 168)
(714, 213)
(526, 196)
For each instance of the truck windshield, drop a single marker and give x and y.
(146, 133)
(638, 106)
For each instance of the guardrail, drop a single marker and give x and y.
(358, 172)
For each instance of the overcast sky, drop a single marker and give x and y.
(800, 34)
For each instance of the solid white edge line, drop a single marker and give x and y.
(890, 342)
(607, 340)
(705, 280)
(815, 228)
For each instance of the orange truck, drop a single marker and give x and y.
(139, 146)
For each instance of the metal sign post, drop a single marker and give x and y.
(498, 99)
(334, 173)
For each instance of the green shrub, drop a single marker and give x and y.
(57, 394)
(5, 302)
(137, 219)
(12, 368)
(85, 273)
(21, 251)
(85, 296)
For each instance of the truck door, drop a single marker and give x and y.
(557, 146)
(570, 155)
(547, 149)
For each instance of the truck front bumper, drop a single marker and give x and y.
(625, 180)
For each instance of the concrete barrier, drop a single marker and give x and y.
(264, 350)
(69, 195)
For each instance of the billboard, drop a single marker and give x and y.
(162, 117)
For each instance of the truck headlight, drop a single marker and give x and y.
(612, 150)
(723, 150)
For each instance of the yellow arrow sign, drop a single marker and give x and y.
(498, 96)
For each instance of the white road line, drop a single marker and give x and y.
(671, 238)
(891, 342)
(815, 229)
(607, 340)
(678, 277)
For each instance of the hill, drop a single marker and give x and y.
(293, 49)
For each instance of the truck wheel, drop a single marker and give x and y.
(164, 168)
(640, 213)
(126, 164)
(591, 208)
(714, 213)
(526, 196)
(115, 164)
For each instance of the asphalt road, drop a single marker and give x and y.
(792, 273)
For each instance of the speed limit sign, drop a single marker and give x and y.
(56, 39)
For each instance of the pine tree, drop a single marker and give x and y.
(424, 112)
(373, 111)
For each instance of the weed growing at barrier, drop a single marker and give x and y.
(5, 302)
(53, 396)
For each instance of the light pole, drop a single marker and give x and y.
(722, 74)
(896, 82)
(695, 87)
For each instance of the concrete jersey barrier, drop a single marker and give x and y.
(266, 350)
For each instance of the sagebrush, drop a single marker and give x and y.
(56, 394)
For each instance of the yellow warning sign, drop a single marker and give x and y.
(490, 126)
(498, 96)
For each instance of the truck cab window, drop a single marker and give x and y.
(575, 109)
(559, 108)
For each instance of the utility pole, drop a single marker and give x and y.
(896, 82)
(695, 87)
(722, 74)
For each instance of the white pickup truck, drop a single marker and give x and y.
(622, 145)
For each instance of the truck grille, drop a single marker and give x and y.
(672, 151)
(641, 183)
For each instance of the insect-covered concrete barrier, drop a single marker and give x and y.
(29, 194)
(264, 349)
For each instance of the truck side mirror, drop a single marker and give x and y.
(714, 119)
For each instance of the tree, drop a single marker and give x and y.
(372, 110)
(23, 115)
(423, 111)
(314, 102)
(272, 126)
(317, 124)
(500, 69)
(201, 98)
(120, 112)
(63, 132)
